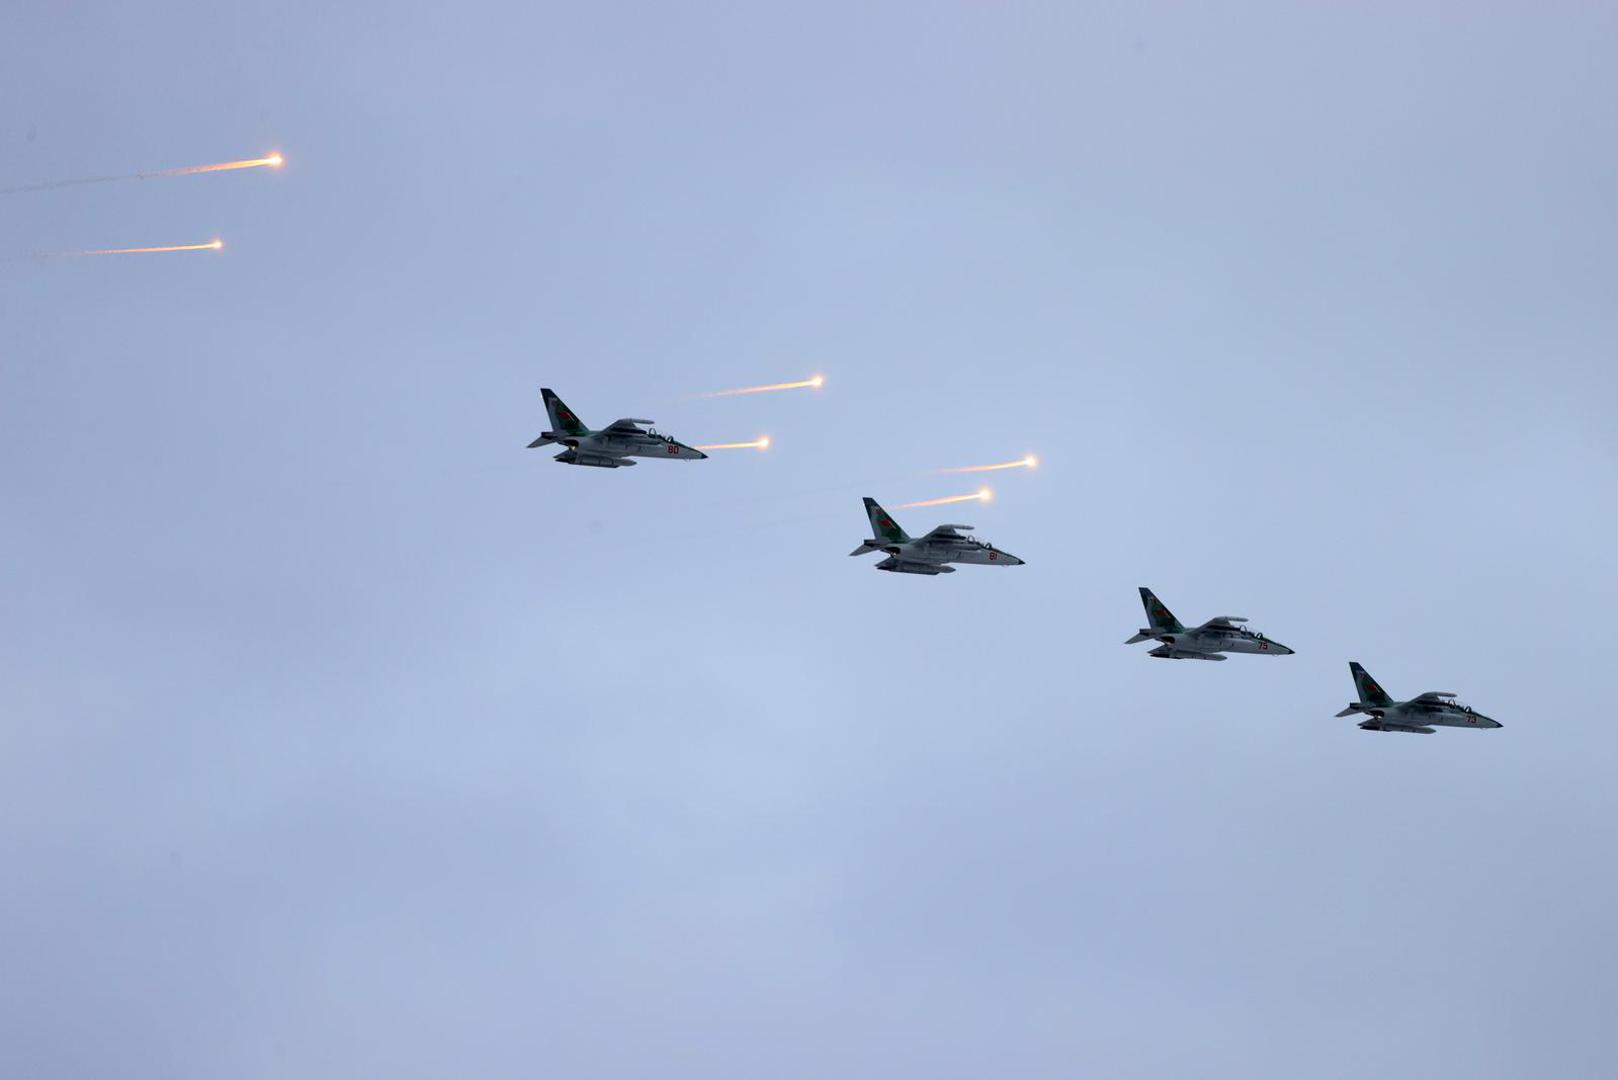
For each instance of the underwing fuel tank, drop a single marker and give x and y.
(599, 461)
(1408, 729)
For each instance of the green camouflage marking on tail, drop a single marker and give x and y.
(562, 418)
(883, 527)
(1159, 617)
(1369, 691)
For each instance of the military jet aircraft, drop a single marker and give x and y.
(1206, 642)
(930, 553)
(610, 448)
(1416, 716)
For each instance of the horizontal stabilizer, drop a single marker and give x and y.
(543, 440)
(868, 546)
(1352, 709)
(1140, 636)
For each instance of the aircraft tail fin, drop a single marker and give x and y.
(1369, 690)
(563, 419)
(1159, 617)
(883, 527)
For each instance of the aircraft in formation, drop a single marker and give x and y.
(930, 554)
(1210, 641)
(1418, 716)
(613, 446)
(610, 448)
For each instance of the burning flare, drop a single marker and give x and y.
(980, 495)
(211, 245)
(273, 161)
(760, 443)
(1029, 462)
(814, 382)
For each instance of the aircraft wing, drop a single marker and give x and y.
(948, 532)
(1222, 622)
(1432, 697)
(626, 427)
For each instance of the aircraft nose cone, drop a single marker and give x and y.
(1282, 650)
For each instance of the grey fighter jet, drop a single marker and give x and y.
(1209, 641)
(610, 448)
(1418, 716)
(928, 554)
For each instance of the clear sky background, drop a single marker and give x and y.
(340, 735)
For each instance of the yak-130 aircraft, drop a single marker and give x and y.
(1206, 642)
(927, 554)
(610, 448)
(1418, 716)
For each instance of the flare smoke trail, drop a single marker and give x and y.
(1029, 462)
(273, 161)
(211, 245)
(760, 443)
(813, 383)
(980, 495)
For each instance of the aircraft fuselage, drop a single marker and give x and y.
(1414, 715)
(615, 444)
(940, 552)
(1221, 641)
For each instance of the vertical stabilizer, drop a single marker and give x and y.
(1159, 617)
(883, 527)
(1369, 690)
(563, 420)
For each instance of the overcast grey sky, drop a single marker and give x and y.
(343, 736)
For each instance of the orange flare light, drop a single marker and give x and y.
(211, 245)
(814, 382)
(980, 495)
(274, 161)
(1029, 462)
(760, 443)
